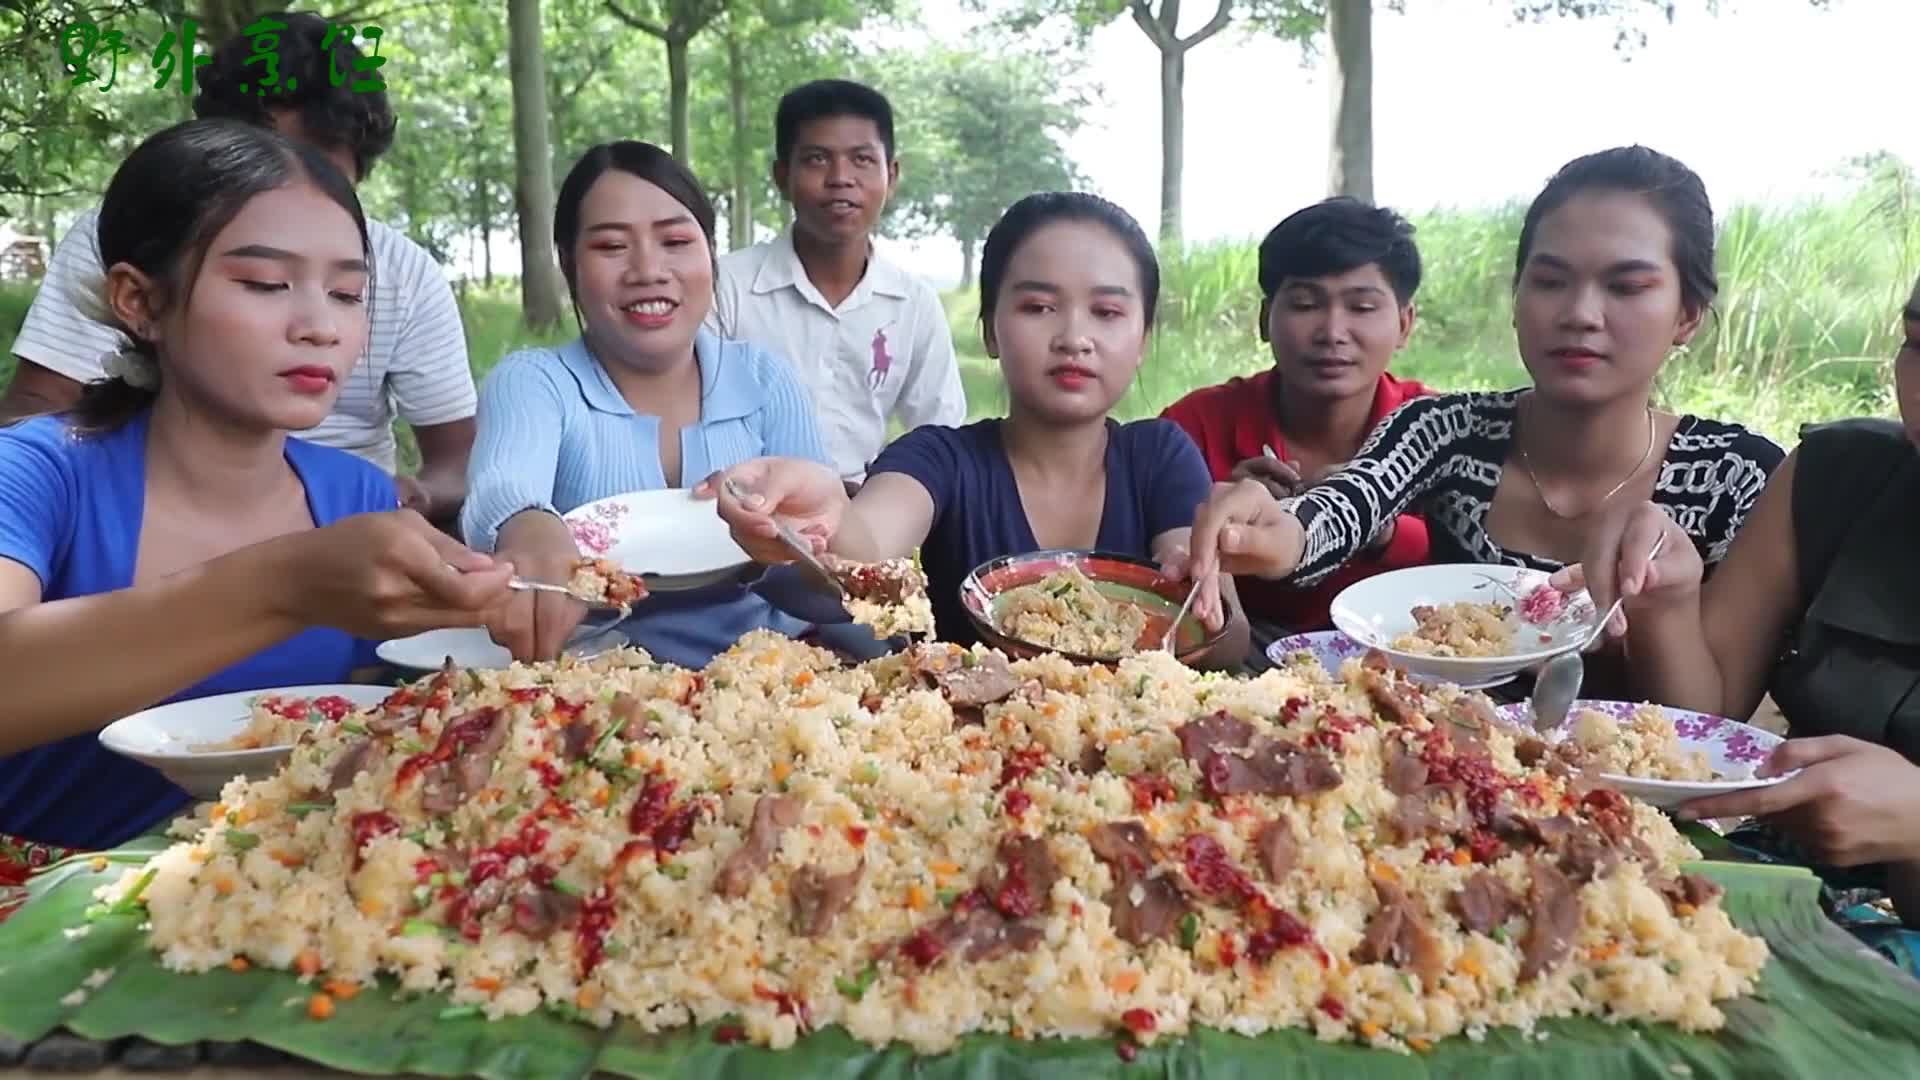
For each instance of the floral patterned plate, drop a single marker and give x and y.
(1733, 750)
(670, 538)
(1331, 648)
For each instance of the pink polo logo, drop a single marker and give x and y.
(882, 361)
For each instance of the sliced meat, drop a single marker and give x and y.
(474, 767)
(1483, 903)
(1404, 772)
(439, 793)
(1398, 934)
(576, 739)
(1387, 698)
(1586, 857)
(350, 765)
(819, 897)
(1553, 918)
(772, 815)
(1093, 758)
(969, 716)
(964, 679)
(1550, 832)
(1531, 751)
(1200, 739)
(1143, 908)
(1690, 889)
(1434, 810)
(1375, 660)
(889, 581)
(1019, 883)
(1470, 718)
(1271, 767)
(630, 713)
(1276, 848)
(974, 930)
(1610, 812)
(537, 912)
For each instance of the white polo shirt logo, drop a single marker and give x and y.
(882, 361)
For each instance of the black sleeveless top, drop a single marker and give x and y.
(1853, 662)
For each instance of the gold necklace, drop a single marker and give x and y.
(1527, 464)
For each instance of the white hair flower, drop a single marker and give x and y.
(132, 368)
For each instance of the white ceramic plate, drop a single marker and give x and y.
(1376, 610)
(670, 538)
(473, 647)
(164, 735)
(1332, 648)
(1733, 750)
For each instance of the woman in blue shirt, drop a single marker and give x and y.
(1068, 284)
(643, 398)
(167, 539)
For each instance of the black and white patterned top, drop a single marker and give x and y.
(1442, 457)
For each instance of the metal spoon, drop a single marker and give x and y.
(1173, 628)
(520, 584)
(1555, 688)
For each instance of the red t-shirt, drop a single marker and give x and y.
(1230, 423)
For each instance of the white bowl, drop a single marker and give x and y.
(473, 647)
(672, 540)
(1733, 750)
(164, 735)
(1375, 610)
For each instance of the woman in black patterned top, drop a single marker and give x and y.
(1614, 271)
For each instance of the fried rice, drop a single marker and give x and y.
(1066, 612)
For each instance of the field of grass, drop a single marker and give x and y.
(1807, 319)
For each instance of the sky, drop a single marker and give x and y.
(1470, 109)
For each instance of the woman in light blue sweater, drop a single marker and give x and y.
(643, 399)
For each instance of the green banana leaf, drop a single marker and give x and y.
(1826, 1006)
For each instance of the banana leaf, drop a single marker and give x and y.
(1825, 1006)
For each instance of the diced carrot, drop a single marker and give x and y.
(238, 963)
(781, 770)
(1050, 709)
(1420, 1045)
(287, 858)
(588, 997)
(370, 906)
(1369, 1029)
(320, 1007)
(1683, 909)
(1604, 951)
(636, 756)
(1471, 967)
(308, 962)
(1383, 871)
(1124, 982)
(601, 797)
(1462, 857)
(241, 815)
(98, 863)
(223, 886)
(486, 982)
(341, 988)
(803, 679)
(943, 868)
(916, 897)
(218, 812)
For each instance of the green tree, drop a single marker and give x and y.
(540, 290)
(983, 127)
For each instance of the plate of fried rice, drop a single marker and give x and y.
(1659, 754)
(1088, 606)
(202, 743)
(1468, 624)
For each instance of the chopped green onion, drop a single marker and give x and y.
(601, 743)
(1140, 688)
(947, 896)
(418, 836)
(459, 1012)
(129, 901)
(436, 880)
(1672, 966)
(1189, 930)
(1354, 820)
(302, 809)
(457, 879)
(420, 928)
(674, 870)
(613, 948)
(422, 895)
(1407, 981)
(351, 726)
(242, 841)
(856, 987)
(866, 772)
(1499, 934)
(568, 887)
(456, 948)
(776, 965)
(967, 660)
(412, 747)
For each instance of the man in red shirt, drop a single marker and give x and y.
(1336, 282)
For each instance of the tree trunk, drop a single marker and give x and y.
(540, 284)
(1173, 81)
(677, 98)
(966, 262)
(740, 206)
(486, 256)
(1350, 158)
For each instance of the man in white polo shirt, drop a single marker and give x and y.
(417, 353)
(869, 340)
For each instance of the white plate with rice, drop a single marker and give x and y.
(1333, 648)
(474, 647)
(671, 539)
(1727, 749)
(192, 743)
(1486, 647)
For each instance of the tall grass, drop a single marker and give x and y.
(1807, 316)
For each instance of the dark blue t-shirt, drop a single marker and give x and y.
(1156, 478)
(70, 511)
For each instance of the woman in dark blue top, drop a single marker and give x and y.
(1068, 284)
(166, 539)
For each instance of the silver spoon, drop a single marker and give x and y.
(1173, 628)
(520, 584)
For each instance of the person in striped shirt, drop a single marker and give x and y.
(416, 360)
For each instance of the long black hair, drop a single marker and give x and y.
(163, 208)
(1034, 212)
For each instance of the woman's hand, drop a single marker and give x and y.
(1241, 529)
(808, 496)
(535, 624)
(1176, 564)
(1854, 802)
(387, 575)
(1615, 564)
(1280, 478)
